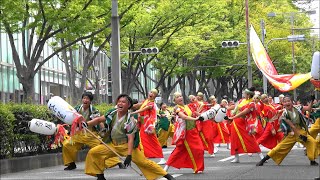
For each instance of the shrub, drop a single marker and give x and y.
(6, 131)
(25, 141)
(103, 108)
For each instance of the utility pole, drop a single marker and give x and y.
(293, 61)
(263, 34)
(248, 46)
(115, 52)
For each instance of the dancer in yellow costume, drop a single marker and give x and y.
(297, 132)
(122, 130)
(164, 126)
(71, 146)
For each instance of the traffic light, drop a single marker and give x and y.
(152, 50)
(230, 44)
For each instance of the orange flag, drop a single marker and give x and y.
(284, 82)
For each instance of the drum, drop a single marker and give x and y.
(209, 114)
(42, 127)
(63, 110)
(315, 65)
(220, 115)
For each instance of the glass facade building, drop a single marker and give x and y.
(52, 77)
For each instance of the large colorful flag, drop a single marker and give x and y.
(284, 82)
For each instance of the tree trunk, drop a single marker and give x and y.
(28, 89)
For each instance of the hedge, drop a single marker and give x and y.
(16, 138)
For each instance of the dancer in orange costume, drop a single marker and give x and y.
(255, 125)
(189, 151)
(241, 139)
(208, 128)
(147, 117)
(271, 135)
(223, 135)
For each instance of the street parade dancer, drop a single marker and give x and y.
(315, 127)
(71, 146)
(242, 140)
(272, 133)
(223, 135)
(147, 118)
(189, 152)
(164, 126)
(122, 129)
(294, 126)
(208, 129)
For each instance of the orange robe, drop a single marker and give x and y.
(189, 152)
(149, 143)
(241, 140)
(271, 136)
(206, 129)
(223, 135)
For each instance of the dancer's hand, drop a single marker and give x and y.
(200, 118)
(84, 124)
(127, 161)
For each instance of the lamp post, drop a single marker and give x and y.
(263, 34)
(115, 52)
(248, 45)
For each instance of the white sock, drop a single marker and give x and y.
(166, 168)
(261, 155)
(236, 159)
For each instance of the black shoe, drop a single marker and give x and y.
(263, 160)
(260, 163)
(313, 163)
(100, 177)
(71, 166)
(121, 166)
(164, 146)
(169, 177)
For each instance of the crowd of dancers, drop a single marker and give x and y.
(139, 131)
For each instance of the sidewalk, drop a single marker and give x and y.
(35, 162)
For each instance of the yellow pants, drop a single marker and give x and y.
(70, 149)
(314, 130)
(279, 152)
(97, 155)
(164, 135)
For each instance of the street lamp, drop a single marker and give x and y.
(115, 51)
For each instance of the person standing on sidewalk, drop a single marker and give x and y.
(71, 147)
(297, 131)
(122, 129)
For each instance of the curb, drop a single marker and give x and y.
(35, 162)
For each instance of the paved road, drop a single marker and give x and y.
(295, 166)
